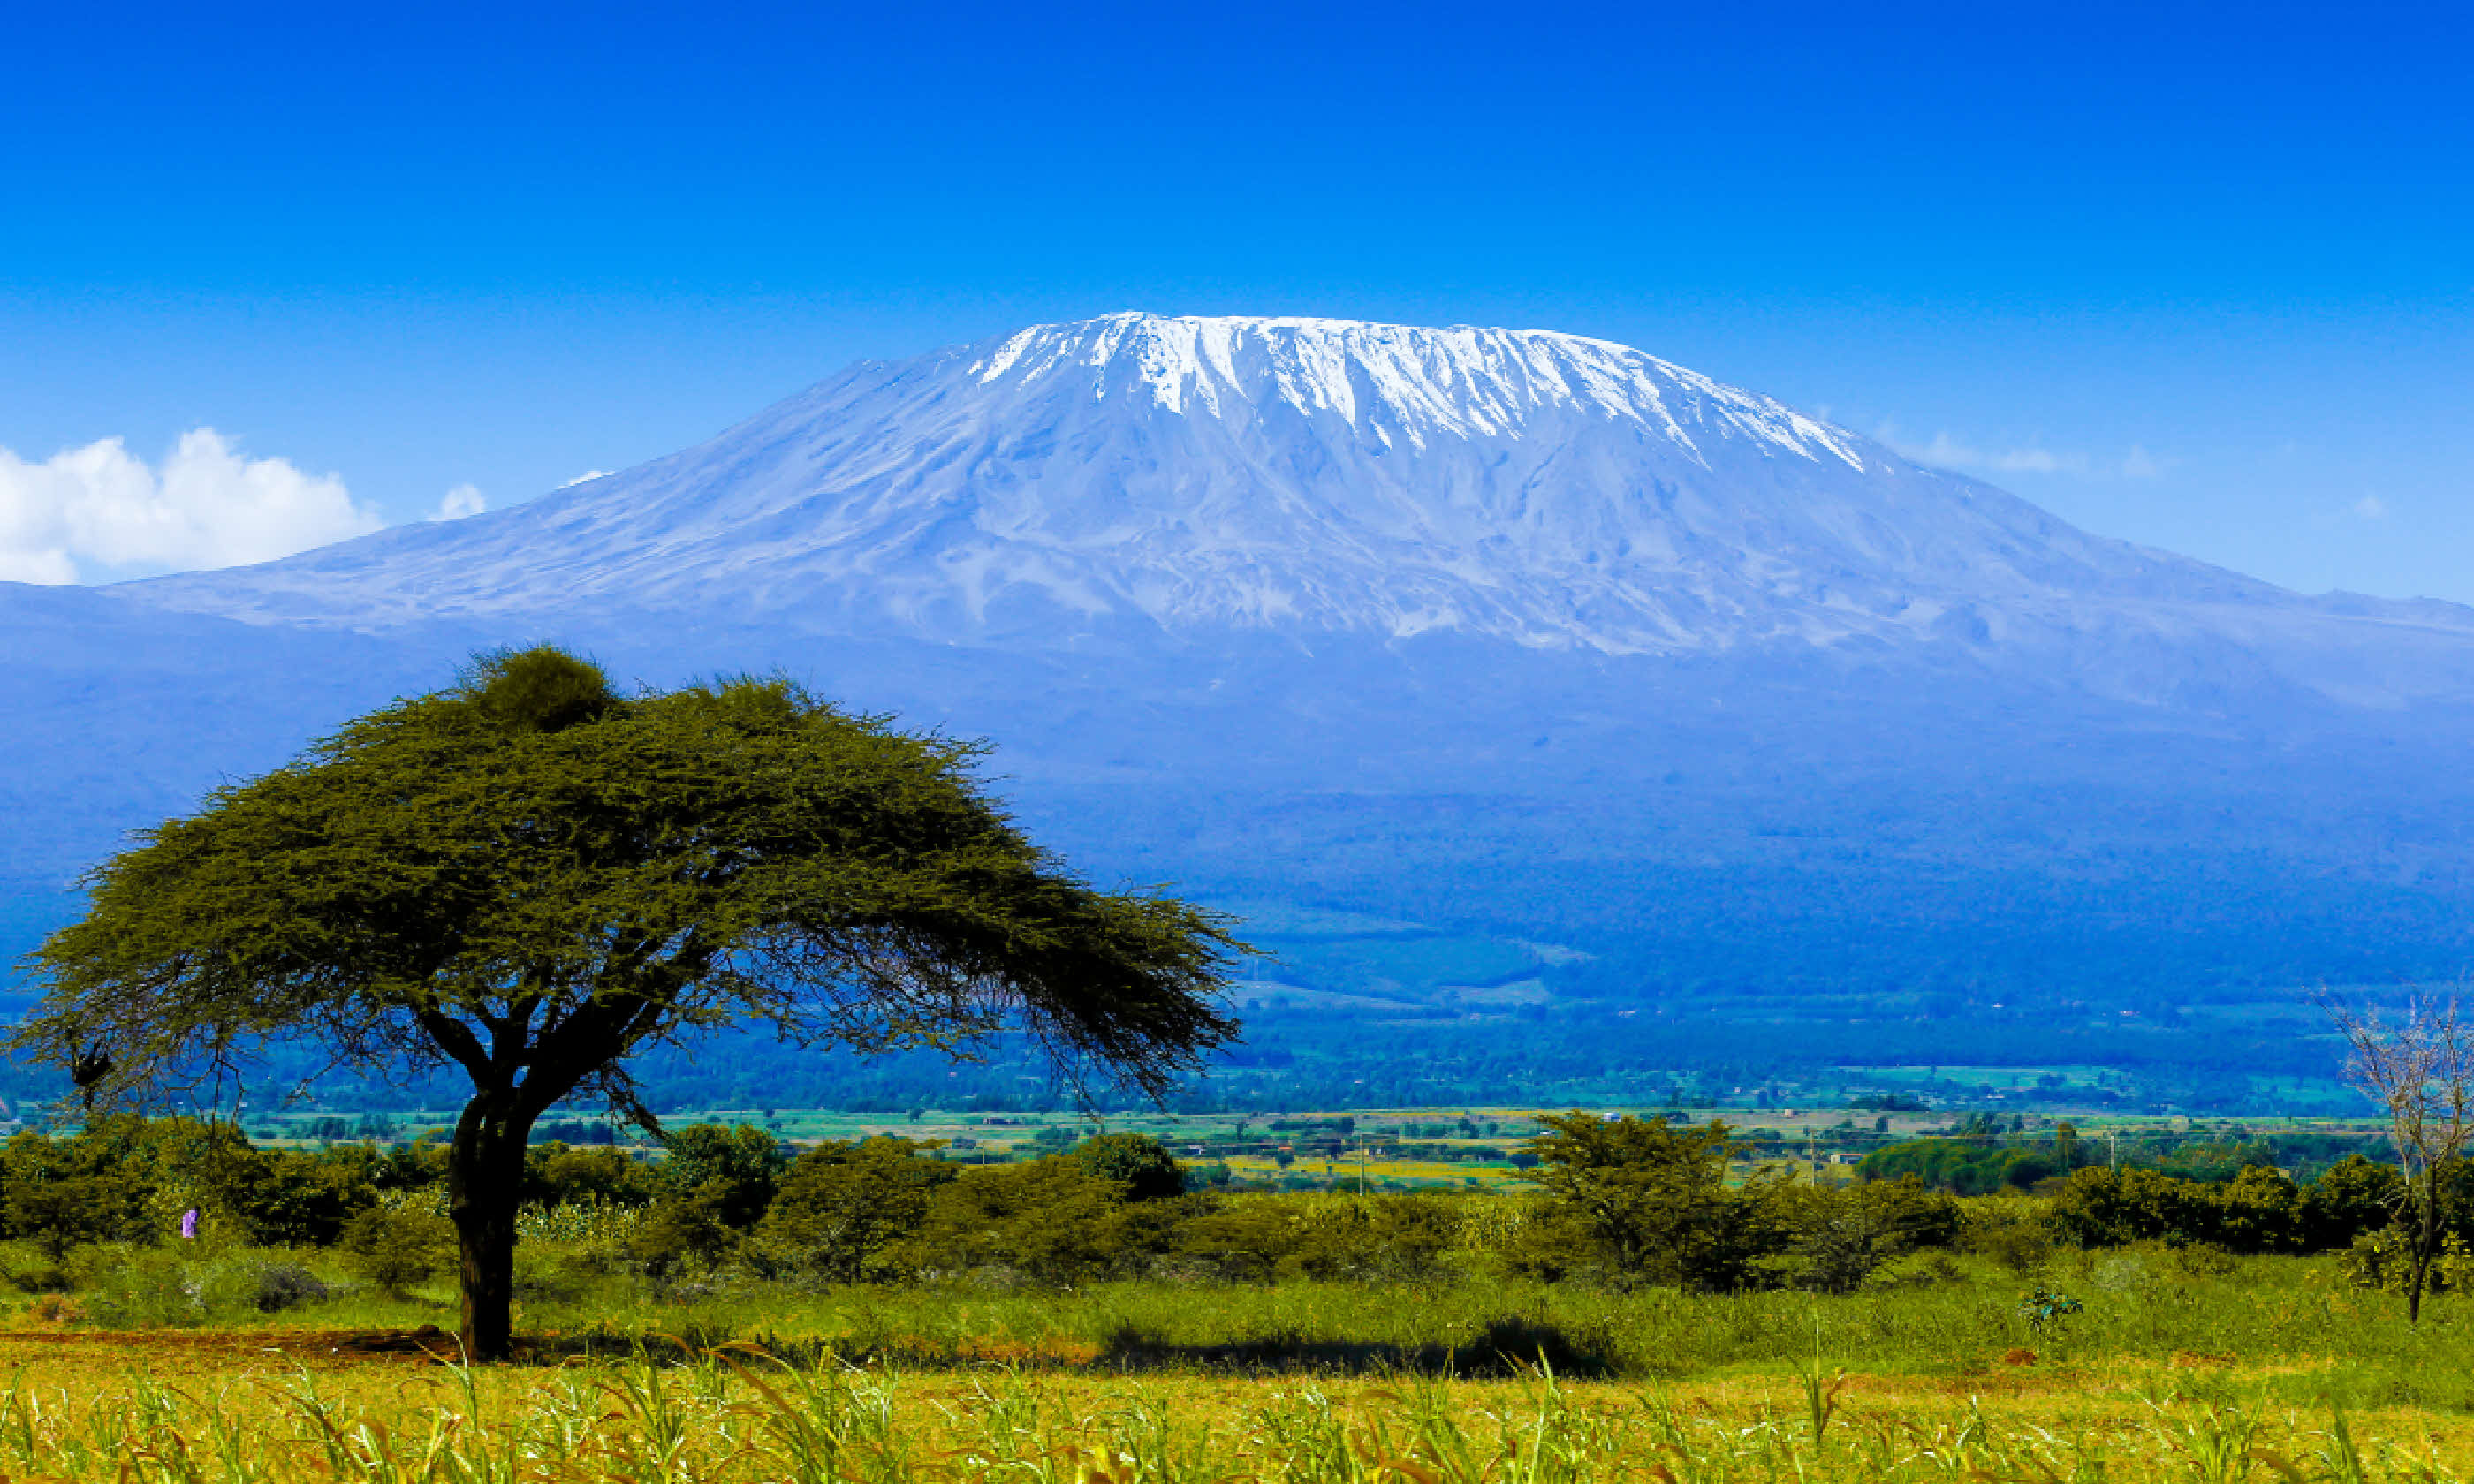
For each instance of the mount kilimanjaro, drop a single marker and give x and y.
(1489, 672)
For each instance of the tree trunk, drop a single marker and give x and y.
(485, 1173)
(2425, 1245)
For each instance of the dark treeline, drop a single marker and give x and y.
(1979, 1160)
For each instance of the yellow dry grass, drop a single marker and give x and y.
(306, 1405)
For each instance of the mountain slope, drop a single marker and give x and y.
(1294, 475)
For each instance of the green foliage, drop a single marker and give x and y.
(1841, 1238)
(529, 875)
(1382, 1238)
(2352, 1197)
(1967, 1167)
(2018, 1236)
(846, 1208)
(686, 1227)
(69, 1212)
(735, 1170)
(1050, 1221)
(1140, 1164)
(2383, 1260)
(1650, 1202)
(557, 1175)
(397, 1250)
(2258, 1211)
(286, 1198)
(2044, 1309)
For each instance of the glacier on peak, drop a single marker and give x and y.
(1462, 381)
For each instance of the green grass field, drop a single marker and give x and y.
(2184, 1365)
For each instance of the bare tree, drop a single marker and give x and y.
(2419, 1070)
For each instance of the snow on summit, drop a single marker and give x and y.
(1462, 382)
(1141, 473)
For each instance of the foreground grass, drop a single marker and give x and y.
(2187, 1366)
(123, 1409)
(2307, 1337)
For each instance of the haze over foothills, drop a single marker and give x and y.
(1939, 531)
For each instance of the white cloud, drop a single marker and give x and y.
(1948, 452)
(461, 501)
(591, 473)
(99, 510)
(2370, 507)
(1944, 451)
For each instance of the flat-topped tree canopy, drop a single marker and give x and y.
(531, 875)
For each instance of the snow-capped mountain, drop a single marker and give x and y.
(1297, 475)
(1540, 641)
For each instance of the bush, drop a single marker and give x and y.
(557, 1175)
(1049, 1220)
(2258, 1211)
(283, 1285)
(397, 1249)
(686, 1229)
(846, 1208)
(2105, 1208)
(1378, 1238)
(40, 1281)
(2381, 1260)
(1842, 1237)
(1143, 1165)
(2012, 1233)
(156, 1288)
(2351, 1199)
(733, 1172)
(68, 1212)
(285, 1198)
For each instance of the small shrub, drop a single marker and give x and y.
(54, 1308)
(397, 1249)
(1517, 1345)
(2045, 1311)
(283, 1285)
(681, 1229)
(157, 1288)
(733, 1172)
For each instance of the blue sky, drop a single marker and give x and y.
(2201, 277)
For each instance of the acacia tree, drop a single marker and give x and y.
(2420, 1070)
(530, 876)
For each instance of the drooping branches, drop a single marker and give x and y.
(531, 877)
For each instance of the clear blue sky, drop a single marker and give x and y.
(2201, 277)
